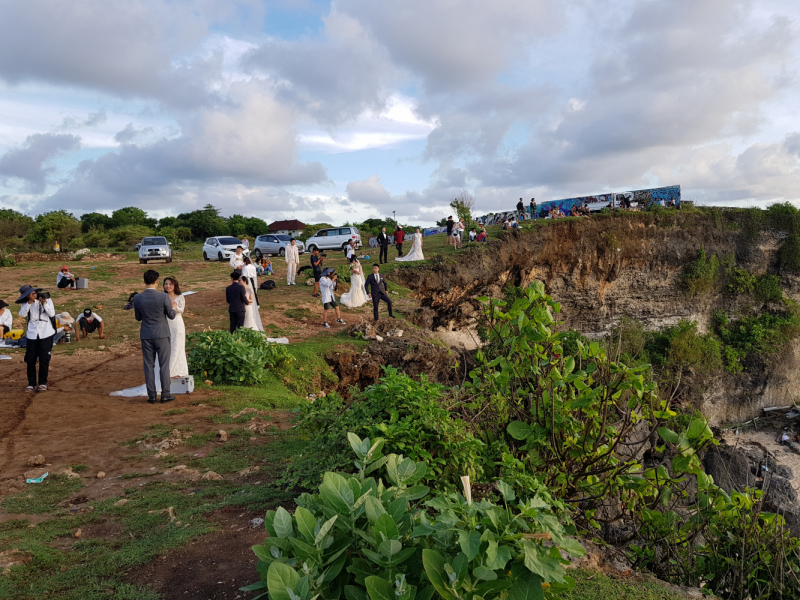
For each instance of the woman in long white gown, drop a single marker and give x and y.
(416, 249)
(357, 296)
(252, 315)
(177, 331)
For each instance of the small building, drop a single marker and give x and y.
(293, 228)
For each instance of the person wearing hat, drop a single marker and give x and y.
(41, 315)
(65, 279)
(327, 283)
(89, 322)
(6, 319)
(64, 323)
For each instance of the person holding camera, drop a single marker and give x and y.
(38, 309)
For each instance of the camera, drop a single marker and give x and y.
(42, 294)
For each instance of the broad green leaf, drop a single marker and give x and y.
(269, 519)
(527, 586)
(386, 527)
(389, 548)
(379, 589)
(668, 435)
(355, 443)
(433, 563)
(306, 523)
(281, 578)
(470, 542)
(460, 565)
(326, 527)
(572, 547)
(352, 592)
(488, 589)
(543, 564)
(506, 490)
(283, 523)
(304, 550)
(262, 552)
(698, 429)
(483, 573)
(374, 508)
(415, 492)
(519, 430)
(397, 509)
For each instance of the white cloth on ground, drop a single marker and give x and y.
(178, 366)
(416, 250)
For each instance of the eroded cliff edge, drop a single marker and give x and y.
(613, 266)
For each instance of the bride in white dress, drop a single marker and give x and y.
(177, 330)
(252, 315)
(416, 249)
(357, 296)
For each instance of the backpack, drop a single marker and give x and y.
(267, 285)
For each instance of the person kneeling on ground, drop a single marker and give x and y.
(6, 319)
(90, 322)
(65, 279)
(265, 268)
(327, 283)
(64, 323)
(482, 237)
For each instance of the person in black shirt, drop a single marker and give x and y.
(520, 210)
(450, 225)
(383, 242)
(237, 300)
(316, 266)
(533, 208)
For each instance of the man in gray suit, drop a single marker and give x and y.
(153, 307)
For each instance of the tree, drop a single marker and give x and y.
(130, 215)
(237, 225)
(95, 221)
(126, 237)
(13, 225)
(203, 223)
(312, 229)
(167, 222)
(256, 227)
(57, 225)
(464, 204)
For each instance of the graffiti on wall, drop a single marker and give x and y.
(665, 196)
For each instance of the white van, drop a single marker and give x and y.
(335, 238)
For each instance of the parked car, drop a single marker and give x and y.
(154, 248)
(137, 246)
(275, 243)
(335, 238)
(221, 247)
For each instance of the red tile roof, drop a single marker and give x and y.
(292, 225)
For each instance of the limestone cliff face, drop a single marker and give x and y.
(604, 268)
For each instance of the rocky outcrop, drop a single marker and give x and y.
(609, 267)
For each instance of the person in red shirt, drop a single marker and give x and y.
(481, 236)
(399, 236)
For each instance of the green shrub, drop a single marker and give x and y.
(343, 271)
(700, 276)
(96, 239)
(237, 359)
(740, 281)
(128, 236)
(759, 335)
(768, 288)
(76, 243)
(359, 538)
(789, 254)
(682, 347)
(409, 414)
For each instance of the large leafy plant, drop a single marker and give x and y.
(239, 358)
(359, 538)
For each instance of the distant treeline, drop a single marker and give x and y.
(128, 225)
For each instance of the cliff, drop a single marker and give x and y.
(608, 267)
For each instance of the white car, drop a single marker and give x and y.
(154, 248)
(275, 244)
(335, 238)
(221, 248)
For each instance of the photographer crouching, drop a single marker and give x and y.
(38, 308)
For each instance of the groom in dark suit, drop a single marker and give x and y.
(153, 307)
(376, 289)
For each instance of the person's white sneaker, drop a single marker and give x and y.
(340, 322)
(326, 326)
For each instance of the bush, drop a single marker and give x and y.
(128, 236)
(76, 243)
(682, 347)
(236, 359)
(789, 254)
(700, 276)
(759, 335)
(359, 538)
(96, 239)
(740, 281)
(768, 288)
(407, 413)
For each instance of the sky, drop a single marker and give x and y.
(345, 110)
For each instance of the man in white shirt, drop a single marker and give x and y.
(292, 262)
(41, 314)
(65, 279)
(90, 322)
(326, 285)
(6, 319)
(237, 260)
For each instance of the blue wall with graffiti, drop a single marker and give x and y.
(665, 196)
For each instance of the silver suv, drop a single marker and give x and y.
(155, 248)
(275, 243)
(335, 238)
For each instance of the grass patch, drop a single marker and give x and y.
(79, 468)
(92, 568)
(42, 497)
(299, 313)
(135, 475)
(174, 411)
(594, 585)
(199, 439)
